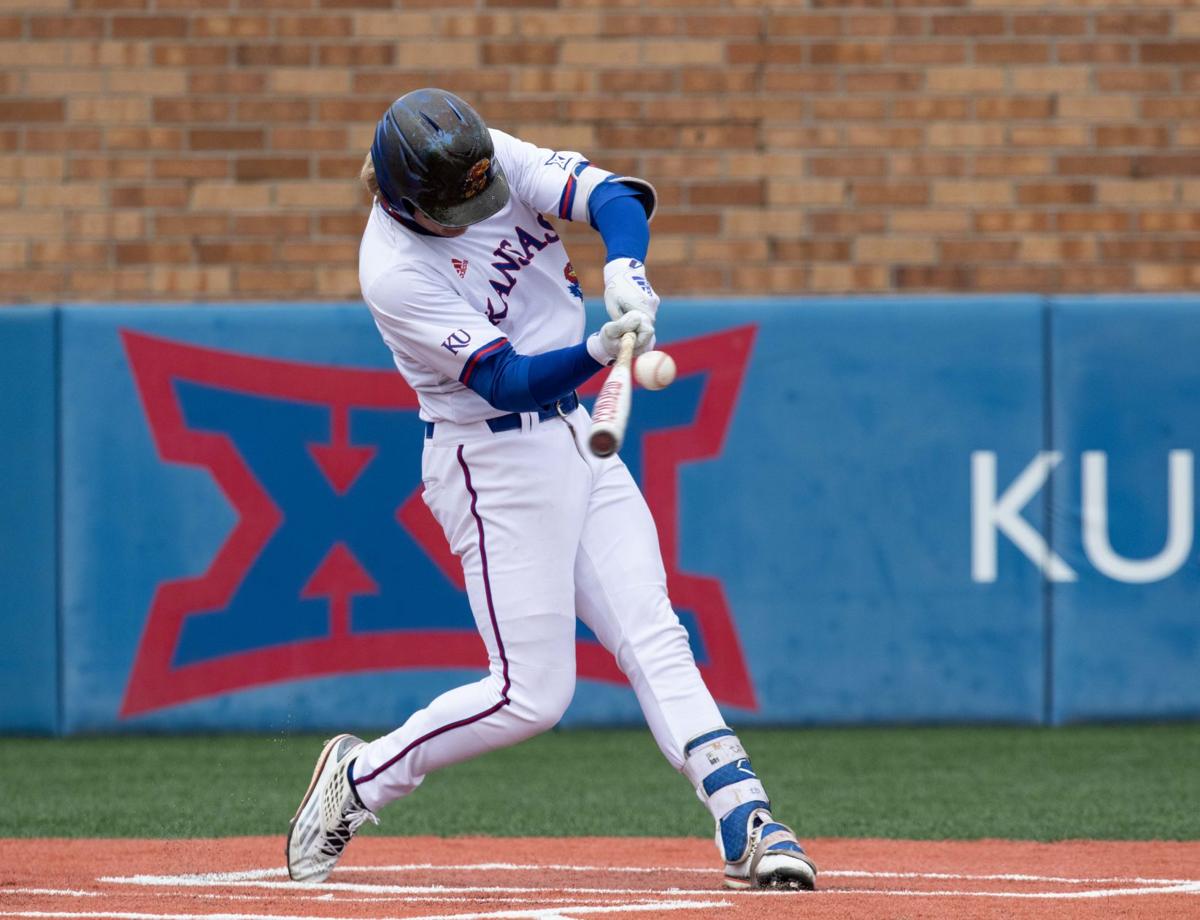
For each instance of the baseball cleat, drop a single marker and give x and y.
(329, 814)
(773, 858)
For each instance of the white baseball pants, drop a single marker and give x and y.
(545, 532)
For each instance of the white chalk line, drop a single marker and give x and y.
(687, 894)
(213, 878)
(261, 878)
(1012, 877)
(543, 914)
(251, 874)
(1020, 895)
(668, 899)
(412, 899)
(650, 870)
(357, 888)
(396, 899)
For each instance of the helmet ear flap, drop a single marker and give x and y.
(380, 161)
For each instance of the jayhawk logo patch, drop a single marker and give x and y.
(572, 281)
(476, 179)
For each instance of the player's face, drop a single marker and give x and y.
(426, 223)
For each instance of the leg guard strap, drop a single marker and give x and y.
(718, 767)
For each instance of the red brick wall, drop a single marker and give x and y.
(174, 149)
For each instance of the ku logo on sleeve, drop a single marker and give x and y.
(334, 564)
(456, 341)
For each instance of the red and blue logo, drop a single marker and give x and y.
(333, 564)
(572, 281)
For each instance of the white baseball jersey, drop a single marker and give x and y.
(441, 303)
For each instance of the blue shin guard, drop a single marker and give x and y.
(717, 765)
(759, 851)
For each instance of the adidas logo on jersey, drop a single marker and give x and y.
(460, 266)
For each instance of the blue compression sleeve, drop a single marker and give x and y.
(620, 218)
(525, 383)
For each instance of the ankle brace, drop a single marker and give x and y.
(717, 765)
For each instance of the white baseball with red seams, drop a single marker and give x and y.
(655, 370)
(546, 532)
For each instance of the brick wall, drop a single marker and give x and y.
(174, 149)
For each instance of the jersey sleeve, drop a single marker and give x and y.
(431, 324)
(559, 182)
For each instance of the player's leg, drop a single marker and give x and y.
(515, 529)
(621, 595)
(511, 506)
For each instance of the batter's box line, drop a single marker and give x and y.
(279, 872)
(1010, 877)
(248, 875)
(1193, 888)
(396, 899)
(689, 894)
(261, 878)
(565, 913)
(183, 881)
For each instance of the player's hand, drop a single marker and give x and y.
(604, 345)
(626, 288)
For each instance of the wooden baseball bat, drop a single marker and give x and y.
(610, 414)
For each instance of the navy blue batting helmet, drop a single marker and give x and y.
(434, 152)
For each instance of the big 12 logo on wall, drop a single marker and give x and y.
(334, 564)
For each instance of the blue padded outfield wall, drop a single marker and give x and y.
(871, 510)
(1126, 419)
(28, 521)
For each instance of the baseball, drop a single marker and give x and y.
(654, 370)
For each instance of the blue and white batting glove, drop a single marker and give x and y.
(604, 345)
(626, 288)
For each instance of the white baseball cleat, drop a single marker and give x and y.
(328, 816)
(773, 858)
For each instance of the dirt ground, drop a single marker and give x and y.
(389, 878)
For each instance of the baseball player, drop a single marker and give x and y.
(473, 292)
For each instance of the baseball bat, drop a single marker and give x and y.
(610, 414)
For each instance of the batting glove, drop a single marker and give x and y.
(604, 345)
(626, 288)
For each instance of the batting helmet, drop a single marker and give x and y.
(433, 151)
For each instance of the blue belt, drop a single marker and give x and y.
(512, 421)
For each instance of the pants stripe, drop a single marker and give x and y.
(487, 590)
(487, 581)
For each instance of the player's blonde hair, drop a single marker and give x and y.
(366, 176)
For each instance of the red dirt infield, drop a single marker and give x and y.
(473, 878)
